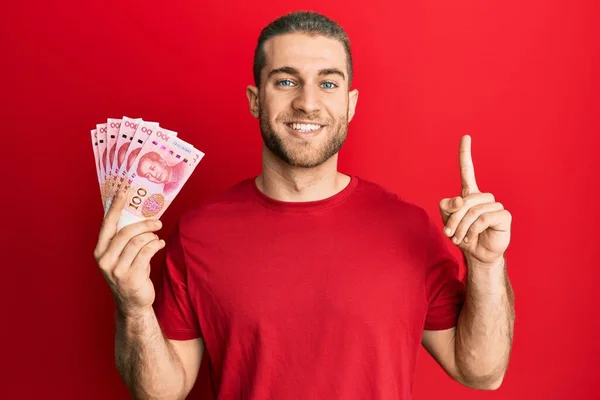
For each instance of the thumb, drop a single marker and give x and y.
(450, 206)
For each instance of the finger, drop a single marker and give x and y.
(497, 220)
(470, 217)
(467, 171)
(471, 201)
(121, 239)
(131, 251)
(109, 223)
(450, 206)
(140, 265)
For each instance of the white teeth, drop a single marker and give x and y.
(305, 127)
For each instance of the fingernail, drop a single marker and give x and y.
(447, 231)
(162, 242)
(158, 223)
(454, 240)
(466, 240)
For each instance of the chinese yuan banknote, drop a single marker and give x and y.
(112, 131)
(148, 163)
(125, 136)
(130, 150)
(94, 136)
(114, 128)
(159, 171)
(101, 131)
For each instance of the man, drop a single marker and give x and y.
(305, 283)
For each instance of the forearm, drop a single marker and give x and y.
(145, 360)
(485, 327)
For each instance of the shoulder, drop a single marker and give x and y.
(229, 203)
(379, 197)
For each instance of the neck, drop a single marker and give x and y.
(280, 181)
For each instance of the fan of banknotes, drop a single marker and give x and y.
(148, 162)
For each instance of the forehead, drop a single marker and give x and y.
(305, 53)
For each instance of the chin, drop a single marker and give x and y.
(304, 160)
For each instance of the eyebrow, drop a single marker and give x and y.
(295, 72)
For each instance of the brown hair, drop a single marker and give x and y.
(307, 22)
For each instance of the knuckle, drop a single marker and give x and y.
(104, 264)
(451, 220)
(128, 231)
(148, 237)
(119, 274)
(137, 241)
(484, 219)
(150, 247)
(472, 213)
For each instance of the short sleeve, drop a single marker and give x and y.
(172, 303)
(445, 288)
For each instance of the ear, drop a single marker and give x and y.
(353, 99)
(252, 94)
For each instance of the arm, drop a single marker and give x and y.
(152, 366)
(476, 352)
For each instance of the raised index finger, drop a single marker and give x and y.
(467, 172)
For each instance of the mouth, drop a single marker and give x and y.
(305, 128)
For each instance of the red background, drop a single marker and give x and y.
(520, 77)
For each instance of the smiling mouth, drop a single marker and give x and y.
(304, 127)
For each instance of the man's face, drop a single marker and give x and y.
(154, 171)
(303, 104)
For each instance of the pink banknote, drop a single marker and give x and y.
(143, 130)
(112, 131)
(94, 136)
(142, 133)
(101, 131)
(114, 127)
(125, 136)
(159, 171)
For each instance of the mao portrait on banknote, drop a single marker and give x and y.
(157, 173)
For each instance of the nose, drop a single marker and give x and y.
(307, 100)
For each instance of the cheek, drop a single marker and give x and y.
(273, 107)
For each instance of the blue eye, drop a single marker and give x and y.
(332, 85)
(280, 83)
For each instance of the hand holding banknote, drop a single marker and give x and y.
(140, 167)
(124, 258)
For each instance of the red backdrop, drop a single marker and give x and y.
(520, 77)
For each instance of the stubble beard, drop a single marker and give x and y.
(303, 153)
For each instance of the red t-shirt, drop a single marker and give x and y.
(312, 300)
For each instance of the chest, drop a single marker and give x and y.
(291, 275)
